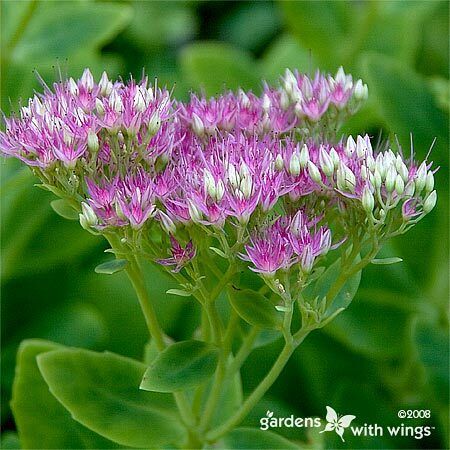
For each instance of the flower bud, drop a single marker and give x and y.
(220, 190)
(284, 101)
(326, 163)
(154, 123)
(99, 107)
(334, 157)
(350, 147)
(294, 165)
(138, 101)
(430, 202)
(289, 81)
(73, 88)
(115, 102)
(246, 186)
(87, 80)
(88, 218)
(210, 183)
(314, 172)
(304, 156)
(391, 176)
(399, 185)
(266, 103)
(361, 91)
(194, 213)
(409, 189)
(197, 125)
(233, 176)
(421, 177)
(279, 163)
(367, 200)
(429, 183)
(105, 85)
(167, 223)
(92, 142)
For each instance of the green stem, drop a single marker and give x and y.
(220, 375)
(135, 275)
(244, 351)
(256, 395)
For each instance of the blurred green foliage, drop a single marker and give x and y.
(389, 350)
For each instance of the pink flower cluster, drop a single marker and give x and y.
(286, 242)
(141, 157)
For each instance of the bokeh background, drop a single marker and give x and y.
(389, 350)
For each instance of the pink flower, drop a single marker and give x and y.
(180, 256)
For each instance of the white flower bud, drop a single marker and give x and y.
(361, 147)
(88, 218)
(194, 213)
(243, 97)
(334, 157)
(421, 177)
(361, 91)
(138, 101)
(233, 176)
(294, 165)
(92, 142)
(314, 172)
(367, 200)
(115, 102)
(266, 103)
(429, 183)
(210, 183)
(154, 123)
(430, 202)
(87, 80)
(167, 223)
(289, 81)
(220, 190)
(73, 88)
(399, 185)
(105, 85)
(279, 163)
(401, 168)
(391, 176)
(284, 100)
(409, 189)
(246, 186)
(326, 163)
(99, 107)
(350, 147)
(304, 156)
(197, 125)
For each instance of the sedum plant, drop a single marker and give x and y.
(262, 213)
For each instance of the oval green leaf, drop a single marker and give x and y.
(110, 267)
(251, 438)
(55, 428)
(101, 391)
(64, 209)
(255, 309)
(181, 366)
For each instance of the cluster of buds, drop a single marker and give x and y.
(236, 165)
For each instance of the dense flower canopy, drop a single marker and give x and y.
(270, 167)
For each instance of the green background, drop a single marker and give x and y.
(389, 350)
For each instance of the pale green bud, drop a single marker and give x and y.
(92, 142)
(430, 202)
(279, 163)
(314, 172)
(429, 183)
(367, 200)
(294, 165)
(399, 185)
(304, 156)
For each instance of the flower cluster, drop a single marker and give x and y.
(237, 165)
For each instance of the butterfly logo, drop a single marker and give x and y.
(337, 423)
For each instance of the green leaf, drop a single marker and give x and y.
(286, 53)
(214, 65)
(406, 105)
(218, 252)
(319, 26)
(110, 267)
(41, 420)
(323, 284)
(386, 261)
(73, 25)
(64, 209)
(253, 438)
(181, 366)
(178, 292)
(101, 392)
(255, 309)
(10, 440)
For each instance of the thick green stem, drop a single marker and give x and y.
(256, 395)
